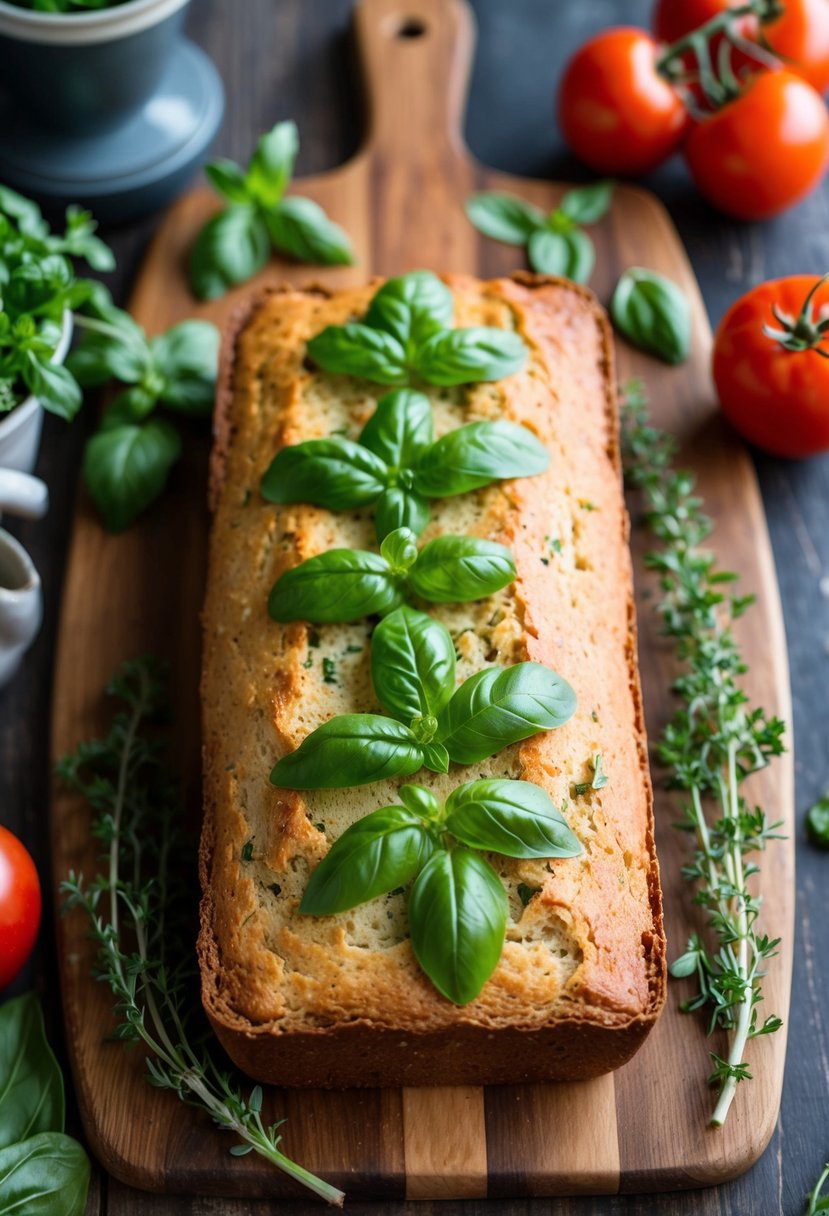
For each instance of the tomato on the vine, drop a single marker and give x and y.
(617, 113)
(19, 905)
(771, 365)
(764, 150)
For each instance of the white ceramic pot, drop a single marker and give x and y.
(20, 430)
(21, 604)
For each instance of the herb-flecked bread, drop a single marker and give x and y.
(340, 1001)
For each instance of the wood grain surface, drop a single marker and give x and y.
(401, 198)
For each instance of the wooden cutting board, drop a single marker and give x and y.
(643, 1128)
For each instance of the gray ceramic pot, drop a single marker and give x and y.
(87, 72)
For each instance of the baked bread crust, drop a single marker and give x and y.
(339, 1001)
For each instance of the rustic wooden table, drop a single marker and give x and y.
(292, 59)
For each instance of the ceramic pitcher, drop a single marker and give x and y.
(21, 598)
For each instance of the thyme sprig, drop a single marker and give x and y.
(713, 742)
(139, 909)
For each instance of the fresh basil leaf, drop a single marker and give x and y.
(120, 355)
(26, 214)
(272, 164)
(358, 350)
(384, 850)
(569, 254)
(587, 204)
(457, 919)
(466, 356)
(54, 386)
(231, 248)
(133, 405)
(127, 467)
(457, 569)
(420, 801)
(412, 664)
(31, 1085)
(503, 705)
(351, 749)
(514, 818)
(475, 455)
(333, 473)
(400, 509)
(187, 356)
(411, 308)
(399, 549)
(400, 429)
(79, 240)
(228, 179)
(504, 217)
(653, 314)
(46, 1175)
(299, 227)
(338, 586)
(436, 757)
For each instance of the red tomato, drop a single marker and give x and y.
(19, 906)
(673, 19)
(616, 112)
(763, 151)
(777, 398)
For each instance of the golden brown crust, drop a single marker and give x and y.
(583, 973)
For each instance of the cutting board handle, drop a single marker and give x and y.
(416, 57)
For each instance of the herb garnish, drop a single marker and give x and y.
(816, 1203)
(396, 464)
(457, 906)
(137, 912)
(407, 335)
(653, 314)
(556, 243)
(413, 669)
(343, 585)
(817, 823)
(710, 746)
(236, 243)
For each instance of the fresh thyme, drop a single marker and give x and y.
(713, 742)
(140, 918)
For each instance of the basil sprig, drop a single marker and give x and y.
(457, 907)
(653, 314)
(413, 671)
(407, 335)
(236, 243)
(396, 465)
(343, 585)
(556, 243)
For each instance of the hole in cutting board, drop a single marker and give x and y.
(410, 27)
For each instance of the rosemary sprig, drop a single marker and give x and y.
(713, 742)
(140, 910)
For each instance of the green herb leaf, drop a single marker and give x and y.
(338, 586)
(817, 823)
(466, 356)
(587, 204)
(400, 429)
(300, 227)
(436, 757)
(46, 1175)
(332, 473)
(569, 254)
(129, 407)
(127, 467)
(384, 850)
(411, 308)
(227, 179)
(457, 569)
(400, 509)
(186, 357)
(499, 706)
(54, 386)
(31, 1085)
(420, 801)
(457, 919)
(359, 350)
(349, 750)
(400, 550)
(653, 314)
(504, 217)
(272, 164)
(472, 456)
(231, 248)
(514, 818)
(412, 664)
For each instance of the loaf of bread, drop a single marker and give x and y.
(340, 1001)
